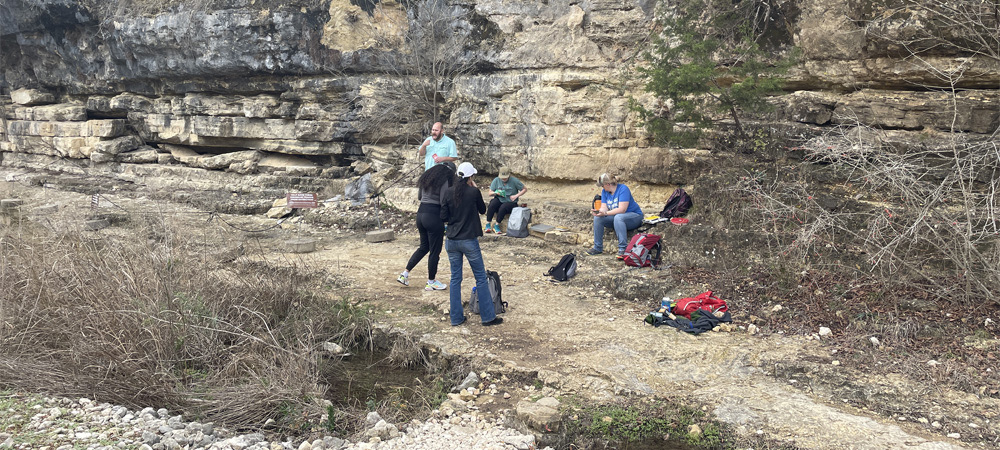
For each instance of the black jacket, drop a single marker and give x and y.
(463, 220)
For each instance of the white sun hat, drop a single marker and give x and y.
(465, 170)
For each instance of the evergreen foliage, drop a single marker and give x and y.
(709, 59)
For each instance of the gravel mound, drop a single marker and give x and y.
(64, 424)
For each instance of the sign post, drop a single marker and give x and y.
(301, 200)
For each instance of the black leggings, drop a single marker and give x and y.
(499, 208)
(431, 237)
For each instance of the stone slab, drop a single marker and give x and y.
(11, 203)
(538, 230)
(380, 236)
(50, 208)
(96, 224)
(563, 237)
(28, 97)
(55, 113)
(301, 245)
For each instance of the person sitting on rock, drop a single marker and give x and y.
(506, 190)
(618, 210)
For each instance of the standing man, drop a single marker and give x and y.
(438, 148)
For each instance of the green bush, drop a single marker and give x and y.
(711, 59)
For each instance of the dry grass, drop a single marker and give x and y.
(162, 322)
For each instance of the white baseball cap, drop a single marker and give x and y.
(465, 170)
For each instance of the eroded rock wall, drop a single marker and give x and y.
(294, 88)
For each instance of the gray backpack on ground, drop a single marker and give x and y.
(496, 293)
(517, 223)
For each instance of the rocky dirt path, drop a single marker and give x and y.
(583, 340)
(586, 337)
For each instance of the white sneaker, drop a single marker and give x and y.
(403, 279)
(435, 285)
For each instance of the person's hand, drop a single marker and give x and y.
(437, 158)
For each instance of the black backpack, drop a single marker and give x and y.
(565, 269)
(677, 205)
(493, 280)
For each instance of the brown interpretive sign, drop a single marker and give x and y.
(300, 200)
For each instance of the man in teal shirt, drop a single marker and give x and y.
(438, 148)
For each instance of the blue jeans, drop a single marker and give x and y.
(621, 223)
(470, 249)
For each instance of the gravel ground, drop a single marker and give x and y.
(30, 422)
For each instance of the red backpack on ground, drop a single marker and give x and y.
(643, 251)
(704, 301)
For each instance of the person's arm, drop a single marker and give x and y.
(480, 205)
(445, 206)
(524, 189)
(622, 207)
(624, 198)
(493, 186)
(622, 204)
(443, 193)
(602, 211)
(423, 147)
(451, 155)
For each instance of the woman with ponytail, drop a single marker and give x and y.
(461, 208)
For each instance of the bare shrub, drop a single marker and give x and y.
(145, 322)
(924, 212)
(421, 63)
(927, 215)
(918, 27)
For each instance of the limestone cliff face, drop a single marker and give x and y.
(256, 86)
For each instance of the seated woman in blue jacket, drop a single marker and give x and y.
(618, 211)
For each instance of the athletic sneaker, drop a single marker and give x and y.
(403, 279)
(621, 256)
(496, 229)
(435, 285)
(487, 229)
(593, 251)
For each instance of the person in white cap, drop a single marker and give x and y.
(461, 208)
